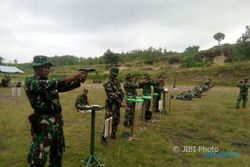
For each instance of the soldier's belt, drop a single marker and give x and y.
(45, 115)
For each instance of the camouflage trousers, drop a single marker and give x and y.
(148, 113)
(113, 110)
(183, 97)
(47, 139)
(156, 103)
(242, 97)
(130, 108)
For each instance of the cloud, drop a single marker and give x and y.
(88, 28)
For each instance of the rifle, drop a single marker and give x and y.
(87, 69)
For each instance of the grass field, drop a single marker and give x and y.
(210, 122)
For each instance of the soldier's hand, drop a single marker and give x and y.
(81, 76)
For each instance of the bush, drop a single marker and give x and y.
(174, 60)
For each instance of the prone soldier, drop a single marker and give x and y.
(208, 83)
(186, 95)
(196, 92)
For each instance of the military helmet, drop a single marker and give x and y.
(40, 60)
(114, 71)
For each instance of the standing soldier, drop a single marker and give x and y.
(243, 85)
(113, 102)
(130, 91)
(82, 100)
(46, 121)
(158, 87)
(146, 91)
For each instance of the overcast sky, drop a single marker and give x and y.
(88, 28)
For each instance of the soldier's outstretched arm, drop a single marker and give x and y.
(71, 82)
(79, 76)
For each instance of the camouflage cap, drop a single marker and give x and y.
(40, 60)
(114, 71)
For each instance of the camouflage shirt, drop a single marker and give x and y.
(43, 93)
(243, 87)
(81, 101)
(158, 87)
(130, 88)
(113, 90)
(146, 87)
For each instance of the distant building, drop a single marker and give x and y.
(9, 69)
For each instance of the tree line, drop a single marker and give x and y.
(190, 57)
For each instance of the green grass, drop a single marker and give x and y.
(209, 121)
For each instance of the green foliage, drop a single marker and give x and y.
(245, 37)
(174, 59)
(1, 60)
(189, 59)
(91, 61)
(242, 48)
(64, 60)
(219, 36)
(110, 58)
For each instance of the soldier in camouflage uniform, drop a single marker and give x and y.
(82, 100)
(146, 91)
(204, 88)
(130, 87)
(208, 83)
(243, 85)
(157, 89)
(113, 102)
(186, 95)
(196, 92)
(46, 121)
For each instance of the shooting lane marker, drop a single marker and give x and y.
(169, 103)
(137, 100)
(92, 159)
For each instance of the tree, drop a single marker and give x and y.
(1, 60)
(15, 61)
(189, 56)
(110, 58)
(64, 60)
(242, 49)
(245, 37)
(219, 36)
